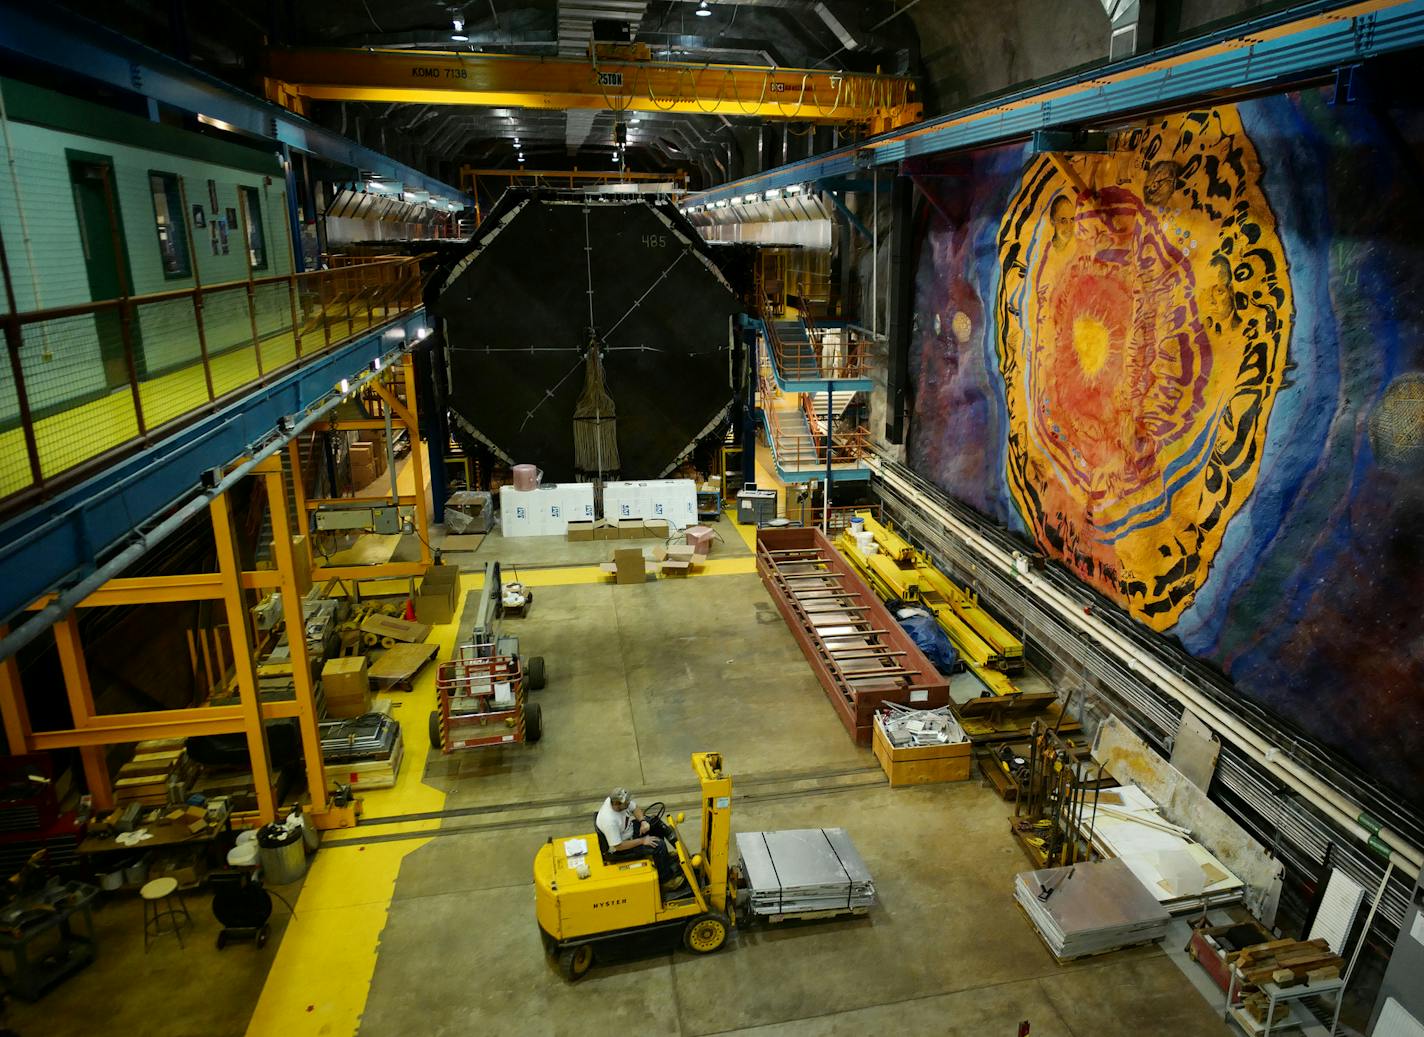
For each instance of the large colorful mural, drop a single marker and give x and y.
(1191, 371)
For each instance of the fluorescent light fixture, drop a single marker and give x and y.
(210, 121)
(422, 333)
(376, 365)
(344, 385)
(775, 192)
(703, 11)
(459, 34)
(794, 189)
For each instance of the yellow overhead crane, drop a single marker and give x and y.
(879, 102)
(897, 571)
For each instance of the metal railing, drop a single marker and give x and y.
(798, 451)
(829, 353)
(90, 382)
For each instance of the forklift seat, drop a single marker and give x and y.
(609, 857)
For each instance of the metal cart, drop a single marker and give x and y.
(481, 701)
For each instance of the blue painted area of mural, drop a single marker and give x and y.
(958, 374)
(1311, 605)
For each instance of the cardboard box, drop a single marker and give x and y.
(363, 475)
(631, 565)
(604, 530)
(656, 528)
(699, 538)
(681, 553)
(439, 594)
(676, 568)
(631, 529)
(580, 530)
(346, 686)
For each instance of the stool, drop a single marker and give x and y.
(161, 907)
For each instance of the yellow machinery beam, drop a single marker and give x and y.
(897, 571)
(881, 102)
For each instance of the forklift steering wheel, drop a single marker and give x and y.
(655, 811)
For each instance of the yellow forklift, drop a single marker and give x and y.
(583, 902)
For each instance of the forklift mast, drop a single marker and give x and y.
(716, 825)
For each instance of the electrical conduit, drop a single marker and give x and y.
(1340, 809)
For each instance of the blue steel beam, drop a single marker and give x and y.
(85, 50)
(59, 542)
(1267, 52)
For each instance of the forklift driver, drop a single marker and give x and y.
(630, 835)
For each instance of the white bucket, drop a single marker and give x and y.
(244, 854)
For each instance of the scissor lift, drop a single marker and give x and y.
(481, 701)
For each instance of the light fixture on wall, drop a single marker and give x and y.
(459, 34)
(703, 11)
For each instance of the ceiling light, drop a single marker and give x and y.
(459, 34)
(703, 11)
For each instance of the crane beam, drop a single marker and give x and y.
(880, 102)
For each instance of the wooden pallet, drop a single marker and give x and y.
(368, 774)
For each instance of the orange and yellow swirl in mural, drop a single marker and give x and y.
(1144, 314)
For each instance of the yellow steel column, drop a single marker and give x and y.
(417, 463)
(12, 704)
(299, 490)
(285, 555)
(230, 568)
(81, 704)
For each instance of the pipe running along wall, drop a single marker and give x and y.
(1339, 808)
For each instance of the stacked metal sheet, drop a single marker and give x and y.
(1090, 907)
(369, 737)
(804, 870)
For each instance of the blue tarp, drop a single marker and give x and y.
(931, 640)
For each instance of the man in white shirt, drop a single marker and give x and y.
(630, 835)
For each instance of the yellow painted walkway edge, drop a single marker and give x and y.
(322, 972)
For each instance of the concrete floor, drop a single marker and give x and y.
(639, 677)
(421, 920)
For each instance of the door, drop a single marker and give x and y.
(101, 232)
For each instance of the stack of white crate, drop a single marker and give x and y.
(672, 499)
(545, 511)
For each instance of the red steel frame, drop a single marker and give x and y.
(465, 690)
(859, 652)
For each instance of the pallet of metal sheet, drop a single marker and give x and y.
(859, 652)
(1089, 908)
(807, 872)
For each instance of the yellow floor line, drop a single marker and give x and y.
(321, 976)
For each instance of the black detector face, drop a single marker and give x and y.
(549, 276)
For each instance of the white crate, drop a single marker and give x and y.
(672, 499)
(545, 511)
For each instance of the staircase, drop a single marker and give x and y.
(798, 441)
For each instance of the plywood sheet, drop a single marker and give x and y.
(369, 549)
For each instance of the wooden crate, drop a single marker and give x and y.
(921, 765)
